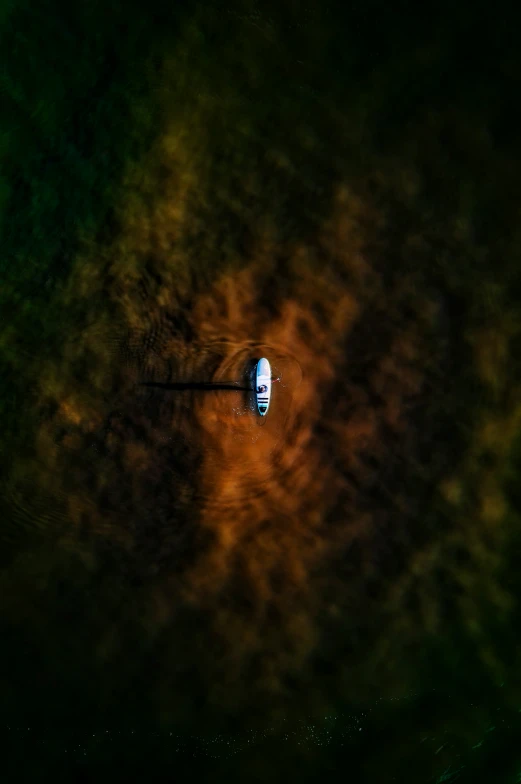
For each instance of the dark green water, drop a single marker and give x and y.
(185, 588)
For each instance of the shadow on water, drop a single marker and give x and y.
(200, 386)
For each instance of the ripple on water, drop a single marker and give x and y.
(195, 432)
(237, 443)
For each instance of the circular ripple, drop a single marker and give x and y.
(236, 441)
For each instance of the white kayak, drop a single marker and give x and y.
(263, 385)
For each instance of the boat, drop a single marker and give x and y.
(263, 385)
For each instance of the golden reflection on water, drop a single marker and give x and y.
(302, 538)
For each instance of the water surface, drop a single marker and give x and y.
(187, 191)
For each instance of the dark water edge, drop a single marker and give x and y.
(351, 745)
(419, 120)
